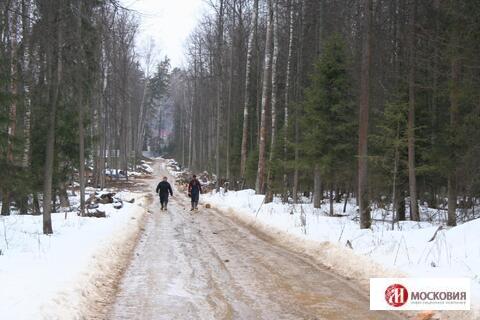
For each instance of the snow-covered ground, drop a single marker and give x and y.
(58, 276)
(406, 250)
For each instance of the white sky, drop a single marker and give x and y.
(168, 23)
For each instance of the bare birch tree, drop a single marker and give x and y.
(266, 103)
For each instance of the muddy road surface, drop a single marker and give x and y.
(204, 265)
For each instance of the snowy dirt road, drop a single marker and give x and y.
(207, 266)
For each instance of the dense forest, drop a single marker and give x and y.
(333, 99)
(372, 99)
(75, 98)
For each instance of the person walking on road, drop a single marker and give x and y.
(164, 189)
(194, 190)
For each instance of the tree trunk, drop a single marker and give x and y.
(103, 135)
(412, 180)
(454, 110)
(298, 96)
(296, 156)
(287, 100)
(5, 203)
(81, 111)
(248, 96)
(190, 134)
(54, 83)
(26, 86)
(401, 206)
(317, 187)
(12, 111)
(141, 117)
(395, 173)
(364, 206)
(219, 92)
(12, 115)
(270, 175)
(81, 138)
(267, 81)
(452, 200)
(230, 90)
(27, 129)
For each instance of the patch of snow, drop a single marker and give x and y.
(56, 276)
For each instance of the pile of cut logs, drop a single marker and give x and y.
(95, 199)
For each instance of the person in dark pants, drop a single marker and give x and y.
(194, 190)
(163, 189)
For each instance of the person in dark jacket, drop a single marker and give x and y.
(163, 189)
(194, 190)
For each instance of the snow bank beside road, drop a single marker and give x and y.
(380, 252)
(66, 275)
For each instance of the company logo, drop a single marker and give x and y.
(422, 294)
(396, 295)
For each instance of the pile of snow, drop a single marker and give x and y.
(407, 249)
(58, 276)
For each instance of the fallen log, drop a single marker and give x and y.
(106, 198)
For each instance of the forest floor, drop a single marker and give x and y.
(207, 265)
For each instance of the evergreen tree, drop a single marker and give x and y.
(389, 147)
(329, 122)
